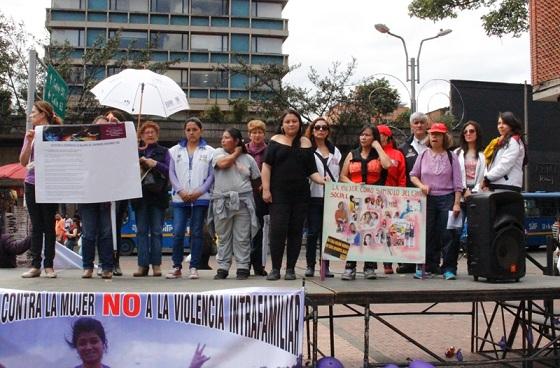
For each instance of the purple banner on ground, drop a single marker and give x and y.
(253, 327)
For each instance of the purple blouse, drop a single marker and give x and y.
(435, 171)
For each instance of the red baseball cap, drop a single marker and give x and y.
(438, 128)
(385, 130)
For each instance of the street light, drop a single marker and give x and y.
(412, 64)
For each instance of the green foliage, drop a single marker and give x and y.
(448, 119)
(15, 42)
(503, 16)
(239, 109)
(376, 97)
(213, 114)
(5, 105)
(403, 120)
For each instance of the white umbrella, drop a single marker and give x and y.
(141, 91)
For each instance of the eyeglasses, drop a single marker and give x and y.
(324, 128)
(469, 131)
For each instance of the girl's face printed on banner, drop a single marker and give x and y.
(192, 132)
(90, 347)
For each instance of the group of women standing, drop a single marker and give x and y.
(233, 187)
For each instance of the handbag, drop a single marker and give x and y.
(153, 181)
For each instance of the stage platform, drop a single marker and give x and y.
(520, 299)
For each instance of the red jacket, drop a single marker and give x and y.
(396, 174)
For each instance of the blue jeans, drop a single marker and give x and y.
(439, 240)
(149, 224)
(196, 215)
(96, 229)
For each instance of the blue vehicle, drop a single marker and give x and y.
(541, 209)
(128, 232)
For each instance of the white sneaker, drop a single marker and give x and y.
(193, 274)
(369, 274)
(349, 274)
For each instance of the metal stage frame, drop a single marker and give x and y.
(529, 302)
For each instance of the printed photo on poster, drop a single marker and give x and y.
(374, 223)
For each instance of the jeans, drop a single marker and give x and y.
(261, 210)
(149, 225)
(286, 223)
(439, 240)
(96, 229)
(197, 215)
(42, 223)
(314, 230)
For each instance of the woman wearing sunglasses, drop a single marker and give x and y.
(471, 158)
(327, 159)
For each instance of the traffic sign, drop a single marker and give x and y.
(56, 91)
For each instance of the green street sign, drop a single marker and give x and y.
(56, 91)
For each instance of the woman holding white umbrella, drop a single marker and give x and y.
(191, 176)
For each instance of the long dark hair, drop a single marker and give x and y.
(311, 137)
(296, 141)
(236, 134)
(514, 123)
(478, 130)
(374, 132)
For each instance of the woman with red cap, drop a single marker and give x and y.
(396, 174)
(437, 173)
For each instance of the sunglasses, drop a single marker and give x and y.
(469, 131)
(321, 127)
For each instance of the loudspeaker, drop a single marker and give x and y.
(496, 237)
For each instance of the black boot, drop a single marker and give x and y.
(242, 274)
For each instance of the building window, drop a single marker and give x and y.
(179, 76)
(208, 79)
(209, 42)
(69, 4)
(267, 45)
(135, 40)
(74, 37)
(168, 6)
(169, 41)
(210, 7)
(129, 5)
(76, 75)
(112, 70)
(266, 10)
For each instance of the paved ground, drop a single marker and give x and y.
(436, 332)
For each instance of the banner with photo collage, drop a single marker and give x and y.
(248, 327)
(374, 223)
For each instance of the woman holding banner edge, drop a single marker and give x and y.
(41, 214)
(367, 164)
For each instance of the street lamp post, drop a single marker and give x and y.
(412, 64)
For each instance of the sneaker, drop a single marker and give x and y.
(290, 274)
(388, 270)
(328, 273)
(221, 274)
(369, 274)
(448, 275)
(242, 274)
(310, 271)
(273, 275)
(193, 274)
(419, 276)
(406, 268)
(99, 271)
(349, 274)
(174, 273)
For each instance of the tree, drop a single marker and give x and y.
(213, 114)
(15, 42)
(503, 16)
(104, 53)
(239, 109)
(376, 98)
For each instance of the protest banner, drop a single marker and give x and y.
(86, 163)
(251, 327)
(374, 223)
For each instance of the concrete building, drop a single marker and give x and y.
(201, 35)
(545, 49)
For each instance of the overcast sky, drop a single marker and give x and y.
(324, 31)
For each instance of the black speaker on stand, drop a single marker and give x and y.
(496, 236)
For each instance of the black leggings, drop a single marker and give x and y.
(42, 224)
(286, 231)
